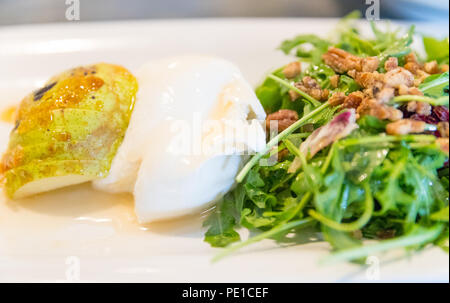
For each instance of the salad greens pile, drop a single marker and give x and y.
(368, 185)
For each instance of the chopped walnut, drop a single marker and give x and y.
(341, 61)
(353, 100)
(337, 99)
(404, 90)
(334, 81)
(415, 91)
(399, 76)
(405, 126)
(312, 88)
(366, 79)
(422, 108)
(373, 107)
(443, 129)
(284, 117)
(309, 82)
(370, 64)
(421, 76)
(391, 63)
(411, 63)
(379, 88)
(411, 58)
(293, 95)
(443, 144)
(386, 94)
(352, 73)
(375, 87)
(292, 70)
(431, 67)
(412, 67)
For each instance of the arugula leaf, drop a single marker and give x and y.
(314, 55)
(441, 215)
(400, 47)
(436, 49)
(417, 236)
(322, 73)
(259, 196)
(254, 218)
(269, 94)
(435, 85)
(347, 85)
(340, 240)
(254, 178)
(221, 224)
(371, 124)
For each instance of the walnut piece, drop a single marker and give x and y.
(312, 88)
(431, 67)
(293, 95)
(353, 100)
(411, 63)
(391, 63)
(373, 107)
(334, 81)
(399, 76)
(443, 129)
(284, 118)
(292, 70)
(405, 126)
(443, 144)
(422, 108)
(341, 61)
(337, 99)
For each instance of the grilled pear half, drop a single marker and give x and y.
(68, 131)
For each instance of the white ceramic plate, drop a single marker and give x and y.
(78, 234)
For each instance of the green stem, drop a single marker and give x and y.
(423, 237)
(433, 101)
(383, 139)
(270, 233)
(347, 227)
(301, 205)
(240, 177)
(292, 148)
(313, 101)
(330, 155)
(299, 135)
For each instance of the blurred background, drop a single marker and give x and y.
(14, 12)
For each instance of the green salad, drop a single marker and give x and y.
(361, 152)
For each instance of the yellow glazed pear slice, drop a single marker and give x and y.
(104, 87)
(92, 148)
(79, 115)
(66, 125)
(41, 176)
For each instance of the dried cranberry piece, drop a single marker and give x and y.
(441, 113)
(431, 119)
